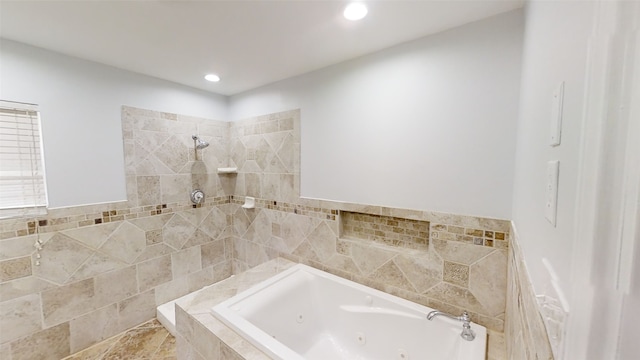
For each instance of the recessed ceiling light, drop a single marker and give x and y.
(212, 77)
(355, 11)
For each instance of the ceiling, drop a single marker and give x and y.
(247, 43)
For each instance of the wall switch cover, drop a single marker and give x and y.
(551, 198)
(556, 115)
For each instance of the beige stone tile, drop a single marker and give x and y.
(458, 252)
(177, 231)
(48, 344)
(228, 353)
(220, 272)
(250, 253)
(389, 274)
(252, 182)
(488, 282)
(203, 341)
(136, 309)
(125, 243)
(17, 247)
(493, 323)
(496, 347)
(185, 351)
(20, 317)
(456, 274)
(115, 285)
(186, 261)
(215, 223)
(288, 151)
(15, 268)
(323, 241)
(66, 302)
(97, 263)
(61, 257)
(368, 257)
(423, 271)
(148, 190)
(5, 352)
(23, 286)
(132, 188)
(171, 290)
(175, 188)
(213, 253)
(93, 236)
(174, 153)
(343, 263)
(291, 232)
(154, 251)
(457, 296)
(93, 327)
(154, 272)
(200, 279)
(149, 223)
(306, 252)
(260, 229)
(153, 236)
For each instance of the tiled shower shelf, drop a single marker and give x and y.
(228, 170)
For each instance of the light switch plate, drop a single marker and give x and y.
(556, 115)
(551, 205)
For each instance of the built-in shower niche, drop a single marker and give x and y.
(387, 230)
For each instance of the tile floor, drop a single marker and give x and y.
(144, 342)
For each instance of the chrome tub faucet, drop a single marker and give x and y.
(467, 333)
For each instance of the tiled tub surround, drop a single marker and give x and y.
(450, 275)
(201, 336)
(525, 332)
(105, 267)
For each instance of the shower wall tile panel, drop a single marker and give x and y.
(104, 268)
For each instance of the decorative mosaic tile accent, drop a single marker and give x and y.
(322, 213)
(388, 230)
(456, 273)
(468, 235)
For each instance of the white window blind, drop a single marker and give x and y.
(22, 182)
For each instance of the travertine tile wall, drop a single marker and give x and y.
(525, 333)
(105, 268)
(462, 265)
(266, 151)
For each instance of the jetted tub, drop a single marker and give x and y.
(305, 313)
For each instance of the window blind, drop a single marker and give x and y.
(22, 181)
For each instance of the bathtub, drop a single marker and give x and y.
(305, 313)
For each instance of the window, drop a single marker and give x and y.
(22, 183)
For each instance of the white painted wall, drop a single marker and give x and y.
(429, 124)
(80, 103)
(555, 50)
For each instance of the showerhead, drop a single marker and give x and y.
(200, 144)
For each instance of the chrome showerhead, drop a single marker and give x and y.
(200, 144)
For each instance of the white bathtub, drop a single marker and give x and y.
(305, 313)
